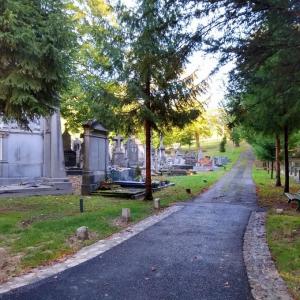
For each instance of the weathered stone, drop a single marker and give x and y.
(82, 233)
(279, 211)
(33, 155)
(126, 214)
(95, 158)
(156, 203)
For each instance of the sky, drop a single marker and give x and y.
(203, 64)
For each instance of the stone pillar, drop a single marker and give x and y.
(54, 166)
(3, 155)
(95, 156)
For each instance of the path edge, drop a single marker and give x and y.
(87, 253)
(264, 279)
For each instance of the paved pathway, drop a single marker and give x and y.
(196, 253)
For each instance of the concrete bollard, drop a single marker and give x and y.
(126, 214)
(156, 203)
(82, 233)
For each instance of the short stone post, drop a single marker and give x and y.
(126, 214)
(82, 233)
(156, 203)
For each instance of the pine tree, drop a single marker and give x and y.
(158, 45)
(265, 89)
(91, 94)
(35, 45)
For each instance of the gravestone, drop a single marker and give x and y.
(179, 159)
(69, 154)
(95, 156)
(190, 158)
(118, 154)
(66, 137)
(135, 152)
(77, 149)
(34, 155)
(204, 164)
(162, 159)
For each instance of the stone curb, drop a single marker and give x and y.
(264, 280)
(87, 253)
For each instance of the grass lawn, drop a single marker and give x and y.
(283, 231)
(38, 230)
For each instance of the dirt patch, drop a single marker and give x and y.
(75, 244)
(120, 222)
(8, 264)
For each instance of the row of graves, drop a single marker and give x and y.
(44, 161)
(295, 168)
(122, 172)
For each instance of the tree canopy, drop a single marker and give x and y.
(36, 41)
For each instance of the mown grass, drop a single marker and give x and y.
(283, 231)
(38, 230)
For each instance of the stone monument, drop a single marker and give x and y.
(95, 156)
(69, 154)
(162, 159)
(135, 152)
(77, 149)
(34, 155)
(118, 154)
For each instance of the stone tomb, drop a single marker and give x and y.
(119, 158)
(135, 152)
(33, 158)
(95, 156)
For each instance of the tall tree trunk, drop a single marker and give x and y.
(148, 195)
(286, 160)
(272, 169)
(277, 163)
(148, 183)
(197, 138)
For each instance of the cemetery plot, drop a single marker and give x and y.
(41, 229)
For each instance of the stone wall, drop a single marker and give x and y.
(76, 184)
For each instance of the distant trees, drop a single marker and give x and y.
(264, 93)
(93, 88)
(36, 41)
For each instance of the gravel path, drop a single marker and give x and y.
(195, 253)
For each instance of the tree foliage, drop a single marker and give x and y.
(36, 40)
(264, 86)
(92, 93)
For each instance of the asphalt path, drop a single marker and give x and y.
(196, 253)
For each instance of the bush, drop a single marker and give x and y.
(222, 144)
